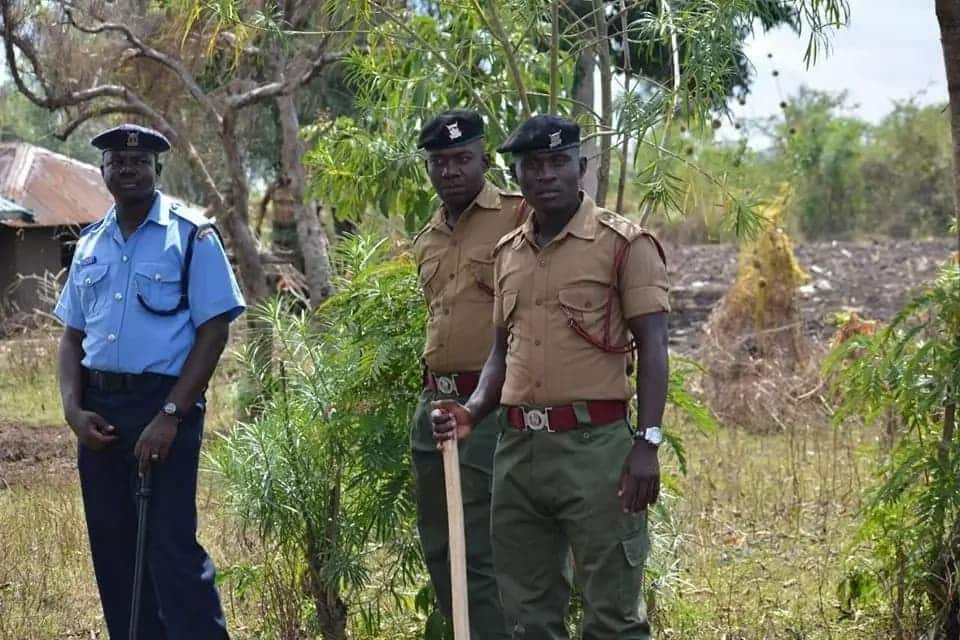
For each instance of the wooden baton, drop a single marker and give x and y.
(457, 541)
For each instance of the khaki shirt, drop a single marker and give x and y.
(538, 292)
(456, 274)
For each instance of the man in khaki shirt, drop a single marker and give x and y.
(454, 255)
(572, 286)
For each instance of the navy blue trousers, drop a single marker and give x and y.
(179, 600)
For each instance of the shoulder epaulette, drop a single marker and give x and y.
(626, 228)
(422, 231)
(91, 227)
(189, 215)
(507, 239)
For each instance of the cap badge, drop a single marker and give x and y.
(453, 131)
(133, 139)
(555, 139)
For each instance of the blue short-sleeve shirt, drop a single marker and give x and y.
(107, 272)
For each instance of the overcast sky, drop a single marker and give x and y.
(889, 51)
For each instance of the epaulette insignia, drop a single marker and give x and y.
(629, 229)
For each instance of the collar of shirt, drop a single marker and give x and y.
(583, 224)
(488, 198)
(159, 213)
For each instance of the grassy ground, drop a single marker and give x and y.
(759, 530)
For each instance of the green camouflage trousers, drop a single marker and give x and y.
(554, 493)
(476, 459)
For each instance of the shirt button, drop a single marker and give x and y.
(536, 342)
(539, 384)
(87, 281)
(538, 302)
(124, 258)
(111, 338)
(452, 276)
(446, 312)
(118, 296)
(543, 263)
(158, 277)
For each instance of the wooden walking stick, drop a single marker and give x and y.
(457, 541)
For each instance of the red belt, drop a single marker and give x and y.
(452, 384)
(564, 418)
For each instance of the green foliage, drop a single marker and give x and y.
(822, 150)
(496, 57)
(909, 375)
(322, 473)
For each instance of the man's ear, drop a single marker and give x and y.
(487, 161)
(159, 169)
(513, 172)
(583, 166)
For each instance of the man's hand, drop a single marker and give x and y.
(640, 482)
(154, 443)
(91, 429)
(451, 420)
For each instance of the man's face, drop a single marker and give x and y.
(550, 180)
(130, 175)
(457, 173)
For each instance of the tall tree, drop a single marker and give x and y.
(195, 71)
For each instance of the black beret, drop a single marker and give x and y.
(543, 133)
(451, 129)
(131, 136)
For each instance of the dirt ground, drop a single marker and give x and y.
(874, 278)
(29, 453)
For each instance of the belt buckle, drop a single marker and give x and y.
(447, 385)
(537, 419)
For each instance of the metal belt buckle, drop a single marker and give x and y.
(447, 385)
(537, 419)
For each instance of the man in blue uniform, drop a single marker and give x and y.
(146, 309)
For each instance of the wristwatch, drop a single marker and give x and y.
(651, 435)
(170, 409)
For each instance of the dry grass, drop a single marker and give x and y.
(763, 521)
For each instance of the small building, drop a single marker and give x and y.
(49, 198)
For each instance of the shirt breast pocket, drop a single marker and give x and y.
(481, 270)
(92, 284)
(428, 278)
(158, 284)
(585, 304)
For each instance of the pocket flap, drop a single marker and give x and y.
(509, 304)
(158, 271)
(90, 275)
(583, 298)
(635, 549)
(427, 271)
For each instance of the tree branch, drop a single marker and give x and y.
(499, 33)
(277, 88)
(100, 112)
(146, 51)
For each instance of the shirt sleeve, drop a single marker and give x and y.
(213, 287)
(643, 279)
(68, 307)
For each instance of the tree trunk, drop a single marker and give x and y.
(948, 15)
(583, 94)
(606, 101)
(311, 236)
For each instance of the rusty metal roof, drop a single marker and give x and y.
(55, 189)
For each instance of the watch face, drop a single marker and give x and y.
(170, 409)
(653, 435)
